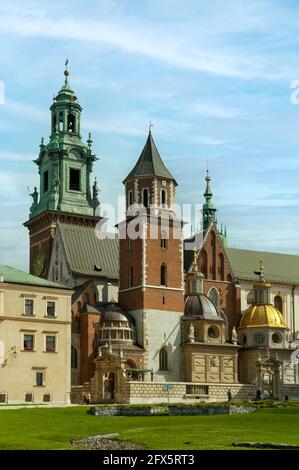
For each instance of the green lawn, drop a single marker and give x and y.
(53, 428)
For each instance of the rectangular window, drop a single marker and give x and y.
(46, 397)
(46, 181)
(28, 344)
(28, 397)
(50, 309)
(39, 379)
(50, 343)
(28, 307)
(197, 390)
(3, 398)
(74, 179)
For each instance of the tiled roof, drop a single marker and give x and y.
(87, 255)
(16, 276)
(278, 267)
(150, 163)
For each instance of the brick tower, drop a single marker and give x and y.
(151, 285)
(64, 166)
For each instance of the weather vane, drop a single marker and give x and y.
(150, 126)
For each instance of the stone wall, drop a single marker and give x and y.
(154, 392)
(292, 391)
(171, 410)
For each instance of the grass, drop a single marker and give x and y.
(53, 428)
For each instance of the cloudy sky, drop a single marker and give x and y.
(214, 78)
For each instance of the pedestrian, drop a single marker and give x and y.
(258, 395)
(84, 397)
(229, 395)
(88, 398)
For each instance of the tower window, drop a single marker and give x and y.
(130, 198)
(71, 123)
(74, 179)
(54, 123)
(163, 359)
(131, 277)
(145, 198)
(163, 275)
(163, 240)
(74, 358)
(163, 197)
(46, 181)
(61, 121)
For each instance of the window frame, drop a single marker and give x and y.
(53, 335)
(72, 168)
(55, 309)
(26, 299)
(28, 333)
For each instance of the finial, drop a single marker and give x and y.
(42, 142)
(225, 231)
(262, 274)
(195, 259)
(150, 127)
(89, 141)
(66, 72)
(221, 229)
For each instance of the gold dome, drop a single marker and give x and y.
(262, 315)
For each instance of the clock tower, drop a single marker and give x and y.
(64, 166)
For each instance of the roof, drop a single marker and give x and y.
(262, 316)
(279, 268)
(88, 255)
(201, 306)
(16, 276)
(150, 163)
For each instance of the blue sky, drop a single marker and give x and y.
(214, 78)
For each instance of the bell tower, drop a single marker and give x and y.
(151, 285)
(64, 167)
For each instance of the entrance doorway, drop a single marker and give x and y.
(109, 386)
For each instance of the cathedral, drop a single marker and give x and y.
(153, 320)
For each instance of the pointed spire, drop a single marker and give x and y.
(208, 192)
(150, 163)
(209, 211)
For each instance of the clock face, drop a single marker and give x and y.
(39, 263)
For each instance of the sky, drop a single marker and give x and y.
(215, 78)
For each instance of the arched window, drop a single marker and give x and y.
(278, 303)
(163, 197)
(130, 198)
(214, 297)
(163, 273)
(204, 262)
(71, 122)
(145, 197)
(54, 123)
(61, 121)
(131, 277)
(221, 266)
(163, 359)
(74, 358)
(250, 298)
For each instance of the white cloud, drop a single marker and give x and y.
(194, 49)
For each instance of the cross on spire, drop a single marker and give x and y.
(66, 72)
